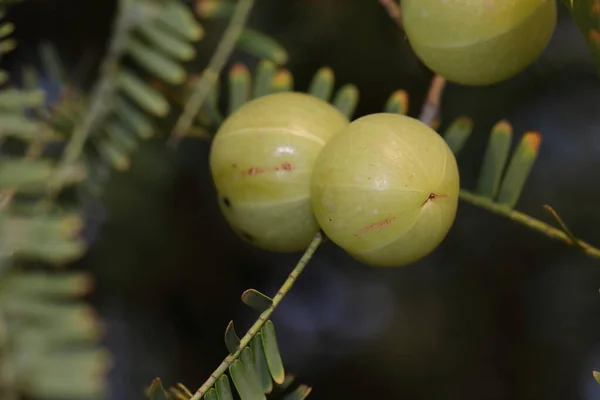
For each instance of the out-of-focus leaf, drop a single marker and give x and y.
(19, 126)
(147, 98)
(113, 155)
(457, 134)
(131, 117)
(176, 17)
(50, 238)
(519, 168)
(46, 285)
(166, 42)
(32, 175)
(52, 62)
(321, 85)
(586, 14)
(156, 391)
(11, 99)
(3, 77)
(262, 46)
(215, 8)
(239, 87)
(494, 160)
(46, 378)
(7, 28)
(283, 81)
(397, 103)
(287, 382)
(121, 136)
(8, 45)
(263, 79)
(300, 393)
(346, 99)
(155, 63)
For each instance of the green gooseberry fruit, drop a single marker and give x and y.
(478, 42)
(261, 162)
(385, 189)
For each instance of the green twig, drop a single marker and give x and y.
(263, 317)
(99, 105)
(8, 377)
(210, 76)
(531, 222)
(562, 225)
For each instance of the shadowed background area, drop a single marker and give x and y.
(497, 312)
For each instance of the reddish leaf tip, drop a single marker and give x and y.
(239, 69)
(533, 140)
(282, 77)
(503, 126)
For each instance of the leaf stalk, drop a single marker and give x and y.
(263, 317)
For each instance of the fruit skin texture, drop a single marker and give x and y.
(386, 189)
(261, 162)
(478, 42)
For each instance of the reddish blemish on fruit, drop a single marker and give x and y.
(375, 225)
(286, 166)
(253, 171)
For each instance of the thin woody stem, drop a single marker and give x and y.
(98, 107)
(429, 114)
(393, 9)
(210, 76)
(431, 109)
(531, 222)
(263, 317)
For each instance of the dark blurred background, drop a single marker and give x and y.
(497, 312)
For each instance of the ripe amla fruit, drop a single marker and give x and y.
(385, 189)
(261, 162)
(478, 42)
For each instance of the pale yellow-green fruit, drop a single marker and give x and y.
(385, 189)
(261, 162)
(478, 42)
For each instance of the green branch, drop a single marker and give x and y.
(8, 377)
(548, 230)
(263, 317)
(99, 105)
(210, 76)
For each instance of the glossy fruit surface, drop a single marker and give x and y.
(478, 42)
(385, 189)
(261, 161)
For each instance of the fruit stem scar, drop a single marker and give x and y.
(433, 196)
(375, 225)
